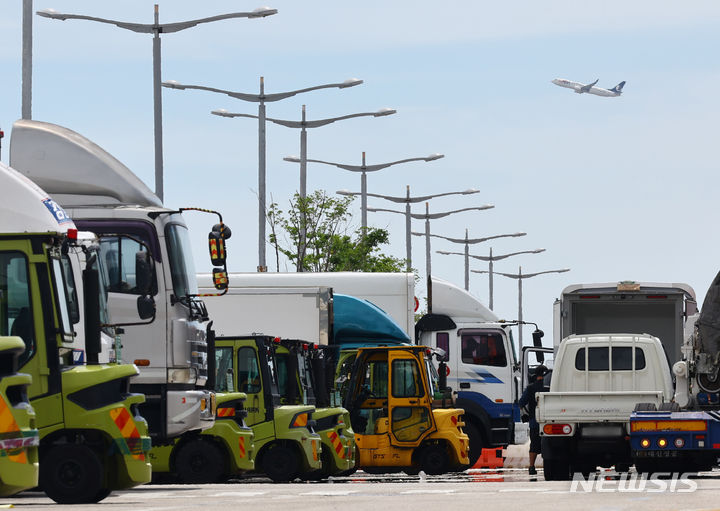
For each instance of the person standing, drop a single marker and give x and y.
(529, 400)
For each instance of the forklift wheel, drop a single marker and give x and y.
(281, 464)
(200, 462)
(434, 460)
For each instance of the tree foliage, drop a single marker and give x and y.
(331, 244)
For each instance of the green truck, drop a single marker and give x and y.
(285, 440)
(92, 440)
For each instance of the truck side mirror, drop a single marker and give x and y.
(143, 272)
(442, 375)
(145, 307)
(91, 286)
(223, 230)
(537, 336)
(216, 244)
(220, 279)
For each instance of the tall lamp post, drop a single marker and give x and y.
(492, 258)
(261, 99)
(467, 241)
(407, 200)
(156, 29)
(26, 108)
(364, 169)
(427, 217)
(520, 276)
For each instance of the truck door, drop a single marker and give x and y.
(249, 380)
(409, 399)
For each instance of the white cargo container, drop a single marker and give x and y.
(394, 293)
(287, 312)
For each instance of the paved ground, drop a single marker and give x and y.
(476, 489)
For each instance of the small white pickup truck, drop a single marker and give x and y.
(597, 381)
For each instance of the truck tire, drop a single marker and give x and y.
(645, 407)
(477, 442)
(434, 460)
(669, 407)
(556, 469)
(72, 474)
(200, 462)
(280, 463)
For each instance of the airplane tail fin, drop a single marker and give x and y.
(618, 88)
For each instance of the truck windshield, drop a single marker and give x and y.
(182, 266)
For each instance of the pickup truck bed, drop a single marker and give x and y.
(588, 407)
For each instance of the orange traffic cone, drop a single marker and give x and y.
(490, 458)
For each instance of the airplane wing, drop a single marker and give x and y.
(586, 88)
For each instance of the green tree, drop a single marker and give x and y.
(331, 244)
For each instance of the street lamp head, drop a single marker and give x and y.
(293, 159)
(434, 156)
(345, 192)
(350, 82)
(518, 234)
(261, 12)
(384, 111)
(487, 206)
(172, 84)
(470, 191)
(221, 112)
(51, 13)
(538, 250)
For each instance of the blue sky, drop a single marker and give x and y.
(614, 188)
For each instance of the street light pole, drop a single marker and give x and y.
(427, 217)
(492, 258)
(473, 241)
(156, 28)
(408, 217)
(261, 99)
(519, 276)
(27, 59)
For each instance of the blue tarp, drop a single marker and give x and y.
(362, 322)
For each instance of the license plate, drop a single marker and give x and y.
(602, 431)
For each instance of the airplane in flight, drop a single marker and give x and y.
(589, 88)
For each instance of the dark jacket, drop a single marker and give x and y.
(528, 399)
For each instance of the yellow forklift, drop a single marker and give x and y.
(390, 397)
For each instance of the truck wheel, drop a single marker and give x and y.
(434, 460)
(645, 407)
(669, 407)
(476, 442)
(556, 469)
(201, 462)
(281, 464)
(72, 474)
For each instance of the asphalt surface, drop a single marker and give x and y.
(473, 489)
